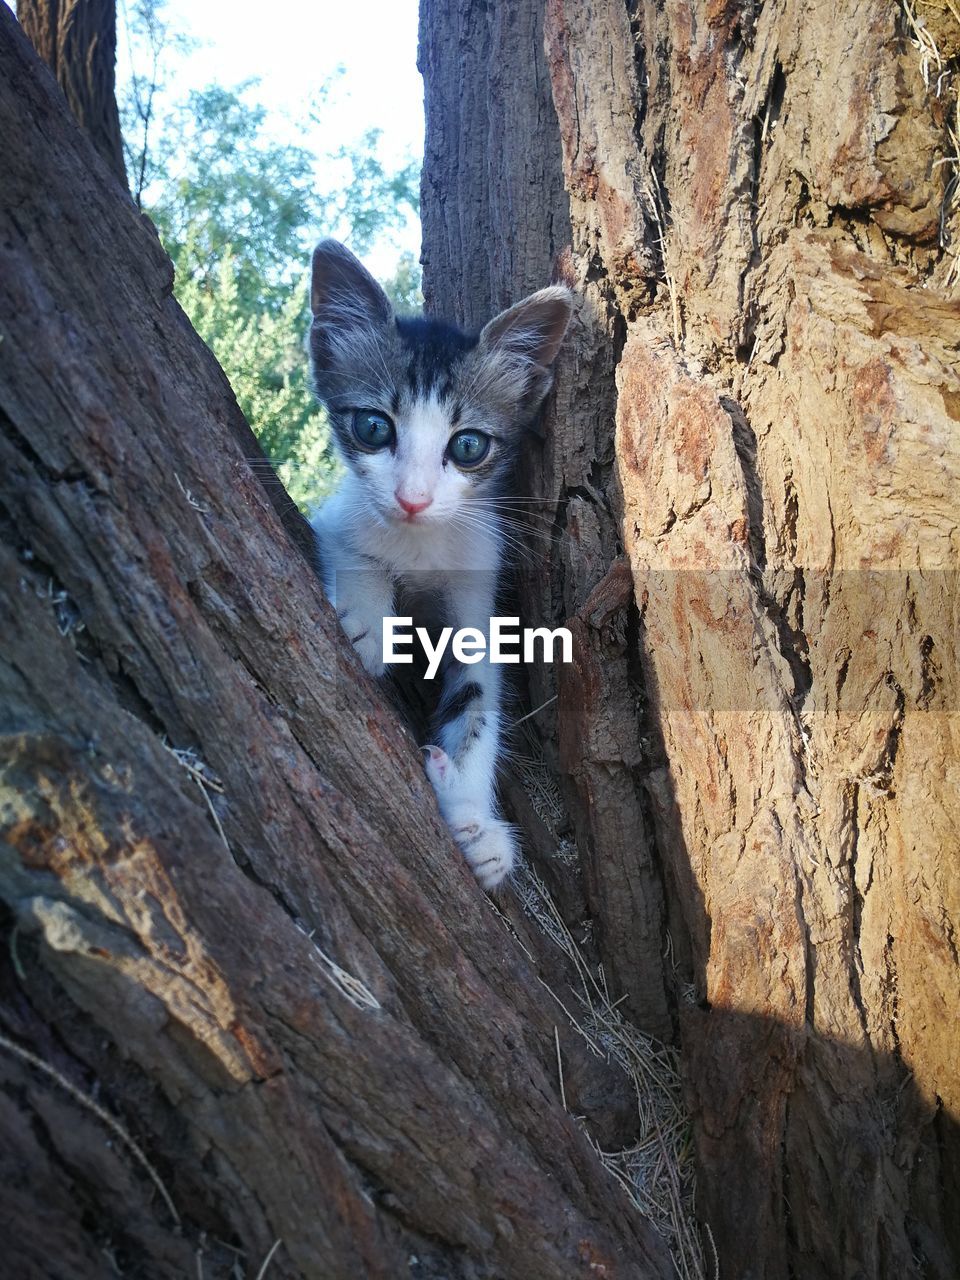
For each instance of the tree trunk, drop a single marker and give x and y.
(251, 991)
(750, 475)
(77, 39)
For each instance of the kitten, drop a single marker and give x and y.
(429, 422)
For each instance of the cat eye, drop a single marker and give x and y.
(467, 448)
(373, 430)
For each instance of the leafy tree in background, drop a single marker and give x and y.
(237, 211)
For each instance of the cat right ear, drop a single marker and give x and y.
(343, 293)
(533, 328)
(523, 342)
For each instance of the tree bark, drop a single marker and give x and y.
(751, 472)
(77, 39)
(236, 931)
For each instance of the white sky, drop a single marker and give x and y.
(292, 48)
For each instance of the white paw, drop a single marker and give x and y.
(488, 843)
(366, 637)
(439, 767)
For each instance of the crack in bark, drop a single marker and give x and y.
(72, 473)
(792, 642)
(856, 908)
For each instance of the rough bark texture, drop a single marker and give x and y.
(77, 39)
(265, 958)
(752, 469)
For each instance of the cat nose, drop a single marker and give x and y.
(412, 508)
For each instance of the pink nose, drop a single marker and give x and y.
(412, 508)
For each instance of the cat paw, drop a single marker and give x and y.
(366, 640)
(438, 766)
(488, 844)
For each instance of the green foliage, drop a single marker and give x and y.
(372, 201)
(235, 217)
(236, 195)
(238, 210)
(404, 289)
(152, 46)
(262, 353)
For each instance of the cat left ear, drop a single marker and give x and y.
(533, 328)
(343, 292)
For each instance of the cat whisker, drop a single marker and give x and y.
(474, 522)
(523, 529)
(515, 504)
(509, 516)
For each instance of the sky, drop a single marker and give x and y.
(293, 48)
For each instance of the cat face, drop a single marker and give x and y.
(427, 417)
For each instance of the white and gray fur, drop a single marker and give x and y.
(431, 381)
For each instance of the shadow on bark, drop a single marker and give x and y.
(79, 1201)
(816, 1157)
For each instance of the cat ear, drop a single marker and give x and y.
(533, 328)
(520, 345)
(343, 293)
